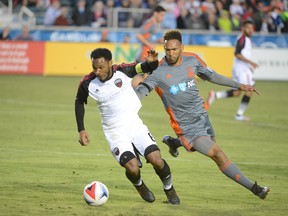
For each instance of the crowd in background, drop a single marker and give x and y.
(214, 15)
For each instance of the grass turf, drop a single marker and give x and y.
(44, 169)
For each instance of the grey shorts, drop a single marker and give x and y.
(200, 127)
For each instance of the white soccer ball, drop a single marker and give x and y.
(96, 193)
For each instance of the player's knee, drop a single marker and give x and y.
(153, 156)
(125, 159)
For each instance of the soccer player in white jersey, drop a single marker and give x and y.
(243, 68)
(110, 86)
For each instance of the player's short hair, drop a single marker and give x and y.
(173, 34)
(101, 52)
(159, 9)
(248, 21)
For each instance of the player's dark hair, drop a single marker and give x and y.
(159, 9)
(173, 35)
(101, 52)
(248, 21)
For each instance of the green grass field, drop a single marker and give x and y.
(43, 168)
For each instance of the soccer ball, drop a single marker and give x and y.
(95, 193)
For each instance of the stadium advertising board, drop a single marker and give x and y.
(21, 57)
(74, 58)
(272, 63)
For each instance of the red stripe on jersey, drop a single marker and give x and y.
(241, 40)
(90, 76)
(195, 56)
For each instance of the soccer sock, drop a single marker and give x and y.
(243, 105)
(221, 94)
(231, 171)
(135, 180)
(165, 176)
(224, 94)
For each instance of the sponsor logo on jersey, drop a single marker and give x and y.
(118, 82)
(174, 89)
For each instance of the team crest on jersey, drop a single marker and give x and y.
(116, 151)
(118, 82)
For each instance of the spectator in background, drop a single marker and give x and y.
(52, 13)
(172, 12)
(224, 22)
(62, 19)
(136, 17)
(104, 36)
(99, 18)
(81, 15)
(123, 16)
(5, 34)
(184, 20)
(25, 34)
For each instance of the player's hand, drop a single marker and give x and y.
(152, 55)
(249, 88)
(83, 138)
(254, 65)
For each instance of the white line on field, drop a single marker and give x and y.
(205, 160)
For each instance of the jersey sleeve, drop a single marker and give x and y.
(133, 69)
(240, 45)
(81, 98)
(147, 86)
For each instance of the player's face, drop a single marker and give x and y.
(248, 30)
(102, 68)
(160, 16)
(173, 50)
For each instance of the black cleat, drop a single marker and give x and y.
(145, 193)
(169, 141)
(259, 191)
(172, 197)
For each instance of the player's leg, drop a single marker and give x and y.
(206, 146)
(162, 169)
(221, 95)
(132, 171)
(247, 79)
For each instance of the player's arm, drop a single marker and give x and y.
(214, 77)
(147, 86)
(148, 66)
(81, 98)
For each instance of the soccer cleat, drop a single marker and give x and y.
(242, 118)
(145, 193)
(211, 98)
(259, 191)
(169, 141)
(172, 197)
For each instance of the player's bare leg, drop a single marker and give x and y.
(207, 147)
(162, 169)
(133, 174)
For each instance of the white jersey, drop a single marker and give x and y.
(244, 47)
(116, 99)
(243, 71)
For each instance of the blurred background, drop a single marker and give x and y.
(42, 33)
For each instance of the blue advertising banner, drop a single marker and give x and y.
(205, 39)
